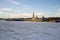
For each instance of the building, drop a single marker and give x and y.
(43, 19)
(54, 19)
(35, 18)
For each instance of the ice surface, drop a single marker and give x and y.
(20, 30)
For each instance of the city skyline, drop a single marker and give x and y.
(25, 8)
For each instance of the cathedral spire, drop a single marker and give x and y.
(33, 15)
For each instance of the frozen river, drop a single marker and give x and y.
(20, 30)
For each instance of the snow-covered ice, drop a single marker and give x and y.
(23, 30)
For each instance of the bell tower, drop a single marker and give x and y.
(33, 16)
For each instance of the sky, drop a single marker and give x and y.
(25, 8)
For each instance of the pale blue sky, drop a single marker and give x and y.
(26, 7)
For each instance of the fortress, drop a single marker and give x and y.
(35, 18)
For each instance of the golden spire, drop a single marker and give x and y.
(33, 15)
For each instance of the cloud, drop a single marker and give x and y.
(24, 15)
(57, 14)
(59, 9)
(6, 9)
(18, 14)
(1, 12)
(14, 2)
(26, 7)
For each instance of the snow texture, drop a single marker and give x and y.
(23, 30)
